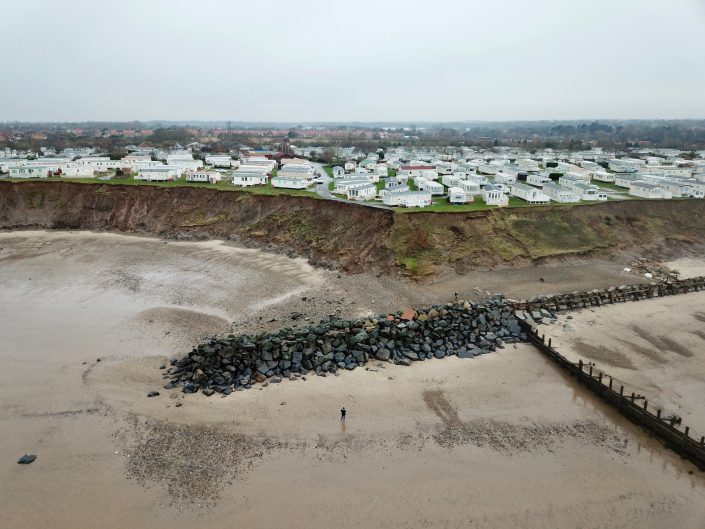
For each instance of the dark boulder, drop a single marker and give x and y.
(26, 459)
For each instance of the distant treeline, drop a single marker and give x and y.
(687, 135)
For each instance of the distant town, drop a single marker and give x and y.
(399, 173)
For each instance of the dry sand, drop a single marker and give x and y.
(504, 440)
(687, 266)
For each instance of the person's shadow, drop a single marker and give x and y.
(343, 426)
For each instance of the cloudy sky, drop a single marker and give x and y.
(325, 60)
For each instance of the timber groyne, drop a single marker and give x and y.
(606, 296)
(667, 428)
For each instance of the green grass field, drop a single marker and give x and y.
(440, 204)
(223, 185)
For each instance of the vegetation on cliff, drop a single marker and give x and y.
(354, 237)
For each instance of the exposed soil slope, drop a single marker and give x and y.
(355, 237)
(321, 230)
(422, 241)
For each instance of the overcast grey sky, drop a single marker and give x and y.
(312, 60)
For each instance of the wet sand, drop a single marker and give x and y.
(504, 440)
(655, 347)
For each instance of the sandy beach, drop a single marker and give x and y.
(500, 441)
(656, 348)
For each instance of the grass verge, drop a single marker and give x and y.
(266, 189)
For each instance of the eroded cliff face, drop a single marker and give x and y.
(423, 241)
(355, 238)
(325, 232)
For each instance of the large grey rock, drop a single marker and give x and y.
(199, 377)
(27, 459)
(382, 354)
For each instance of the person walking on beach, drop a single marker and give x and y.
(342, 413)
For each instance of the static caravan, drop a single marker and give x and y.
(424, 184)
(290, 182)
(488, 169)
(187, 162)
(480, 179)
(493, 196)
(560, 193)
(220, 160)
(583, 189)
(457, 195)
(444, 169)
(296, 171)
(470, 186)
(36, 171)
(643, 190)
(505, 178)
(538, 180)
(451, 180)
(362, 192)
(210, 177)
(603, 176)
(343, 184)
(530, 194)
(626, 180)
(677, 187)
(394, 188)
(408, 199)
(249, 178)
(412, 171)
(158, 174)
